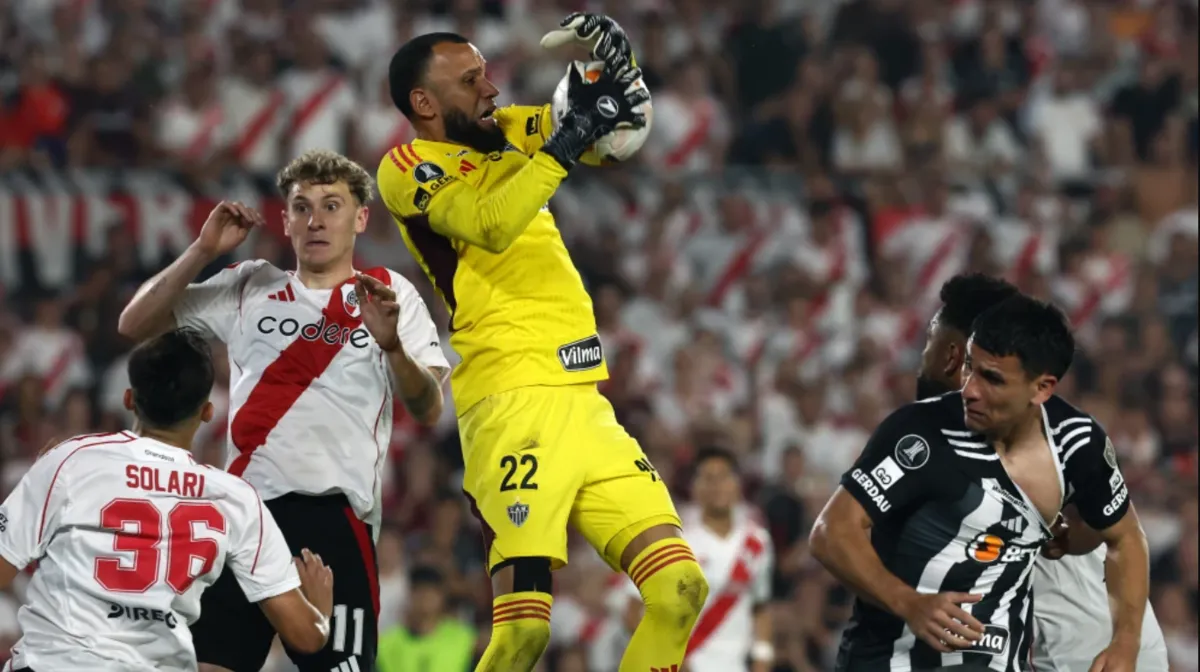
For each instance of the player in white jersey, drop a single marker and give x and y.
(127, 531)
(1071, 618)
(317, 357)
(1072, 621)
(736, 555)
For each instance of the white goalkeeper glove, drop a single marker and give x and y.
(605, 37)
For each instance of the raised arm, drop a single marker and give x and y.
(151, 312)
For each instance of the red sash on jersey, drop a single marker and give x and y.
(1023, 265)
(286, 378)
(258, 125)
(1116, 277)
(925, 278)
(739, 577)
(202, 141)
(306, 111)
(696, 137)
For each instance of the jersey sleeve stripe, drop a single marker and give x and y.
(394, 156)
(257, 551)
(410, 154)
(50, 491)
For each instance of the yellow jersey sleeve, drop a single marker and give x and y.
(415, 186)
(526, 126)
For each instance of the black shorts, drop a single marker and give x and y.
(235, 634)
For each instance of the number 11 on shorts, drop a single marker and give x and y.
(339, 629)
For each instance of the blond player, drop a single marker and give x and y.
(127, 531)
(317, 355)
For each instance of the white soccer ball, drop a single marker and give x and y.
(619, 145)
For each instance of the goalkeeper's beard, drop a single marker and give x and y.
(466, 131)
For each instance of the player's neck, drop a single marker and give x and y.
(1024, 431)
(325, 278)
(720, 524)
(178, 439)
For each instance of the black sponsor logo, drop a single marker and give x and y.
(581, 355)
(427, 172)
(330, 333)
(533, 124)
(3, 522)
(993, 641)
(142, 614)
(912, 452)
(421, 199)
(440, 182)
(873, 491)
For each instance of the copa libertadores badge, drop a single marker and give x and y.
(518, 513)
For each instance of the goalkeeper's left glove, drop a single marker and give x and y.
(606, 38)
(595, 109)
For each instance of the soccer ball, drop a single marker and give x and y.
(619, 145)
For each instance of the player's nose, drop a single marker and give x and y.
(487, 90)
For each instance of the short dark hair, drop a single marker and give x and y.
(171, 376)
(1035, 331)
(409, 64)
(967, 295)
(716, 453)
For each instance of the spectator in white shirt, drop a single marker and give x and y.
(980, 148)
(1065, 124)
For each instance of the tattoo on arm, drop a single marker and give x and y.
(430, 393)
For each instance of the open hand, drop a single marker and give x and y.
(227, 226)
(938, 621)
(316, 581)
(380, 311)
(605, 38)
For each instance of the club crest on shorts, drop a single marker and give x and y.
(350, 301)
(518, 513)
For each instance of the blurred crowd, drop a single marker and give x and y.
(762, 274)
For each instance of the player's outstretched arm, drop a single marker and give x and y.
(151, 311)
(301, 615)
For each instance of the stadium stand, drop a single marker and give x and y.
(762, 274)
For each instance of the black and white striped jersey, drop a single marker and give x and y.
(947, 518)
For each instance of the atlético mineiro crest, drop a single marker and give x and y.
(518, 513)
(350, 301)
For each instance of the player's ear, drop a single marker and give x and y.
(127, 400)
(287, 223)
(1044, 386)
(954, 359)
(361, 218)
(422, 103)
(206, 412)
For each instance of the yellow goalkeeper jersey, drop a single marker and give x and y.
(480, 226)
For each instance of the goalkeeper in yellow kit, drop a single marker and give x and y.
(542, 447)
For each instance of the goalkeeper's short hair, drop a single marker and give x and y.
(409, 64)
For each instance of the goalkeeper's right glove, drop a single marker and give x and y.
(595, 110)
(605, 37)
